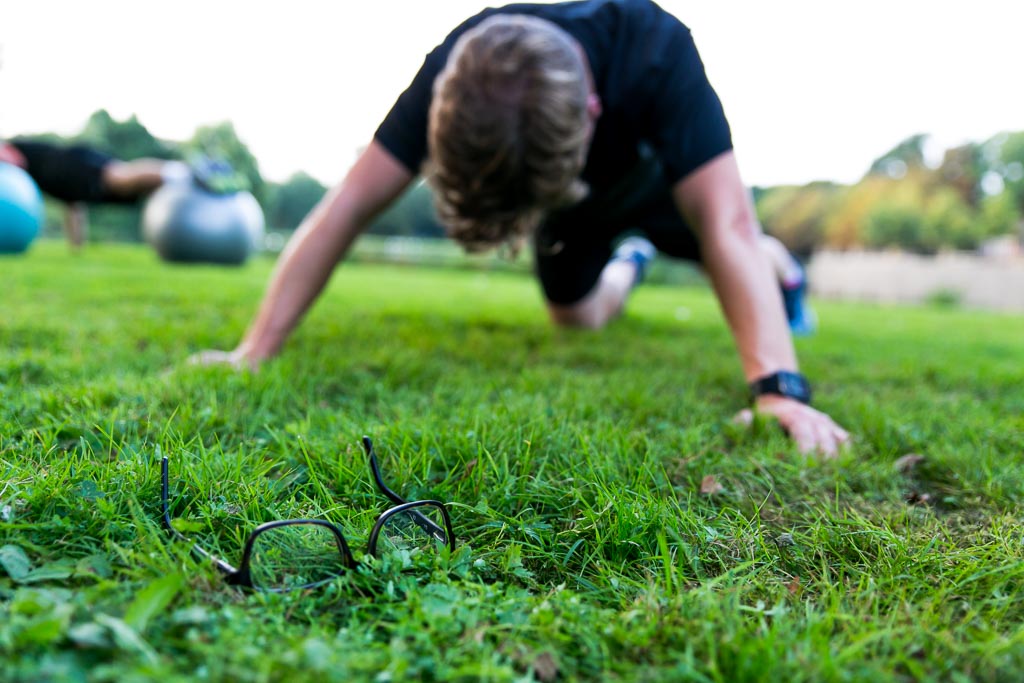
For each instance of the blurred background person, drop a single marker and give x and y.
(81, 175)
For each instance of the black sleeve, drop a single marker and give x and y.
(404, 130)
(687, 124)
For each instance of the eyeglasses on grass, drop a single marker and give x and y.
(295, 554)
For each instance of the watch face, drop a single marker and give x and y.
(790, 385)
(794, 386)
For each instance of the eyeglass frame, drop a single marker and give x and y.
(242, 576)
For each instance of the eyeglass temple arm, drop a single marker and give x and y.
(164, 497)
(375, 469)
(421, 520)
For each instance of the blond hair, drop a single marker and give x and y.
(508, 130)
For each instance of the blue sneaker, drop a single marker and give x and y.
(217, 176)
(638, 250)
(802, 320)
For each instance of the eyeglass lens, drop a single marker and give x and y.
(414, 530)
(294, 556)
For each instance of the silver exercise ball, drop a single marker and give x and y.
(188, 224)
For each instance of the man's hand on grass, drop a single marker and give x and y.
(812, 430)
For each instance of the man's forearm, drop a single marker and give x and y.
(715, 203)
(321, 241)
(302, 272)
(750, 299)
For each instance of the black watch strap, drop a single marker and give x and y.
(783, 383)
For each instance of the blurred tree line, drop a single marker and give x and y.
(284, 204)
(976, 192)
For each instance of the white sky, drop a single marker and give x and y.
(814, 89)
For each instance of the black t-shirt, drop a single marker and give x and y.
(70, 173)
(647, 73)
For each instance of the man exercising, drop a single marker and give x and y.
(568, 125)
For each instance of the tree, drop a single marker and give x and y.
(288, 203)
(893, 224)
(1007, 153)
(949, 222)
(895, 216)
(127, 139)
(962, 169)
(844, 227)
(999, 215)
(904, 157)
(797, 215)
(412, 215)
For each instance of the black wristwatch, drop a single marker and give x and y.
(783, 383)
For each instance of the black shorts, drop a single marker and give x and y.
(68, 173)
(572, 246)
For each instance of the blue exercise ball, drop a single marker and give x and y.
(188, 224)
(21, 209)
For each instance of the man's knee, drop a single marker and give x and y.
(582, 314)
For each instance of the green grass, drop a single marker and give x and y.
(572, 461)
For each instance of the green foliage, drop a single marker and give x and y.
(897, 225)
(114, 222)
(797, 215)
(944, 298)
(412, 215)
(1000, 215)
(127, 139)
(844, 227)
(902, 203)
(906, 156)
(573, 461)
(289, 202)
(962, 170)
(948, 221)
(53, 217)
(1007, 152)
(912, 218)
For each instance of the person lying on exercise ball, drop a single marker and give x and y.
(569, 126)
(80, 175)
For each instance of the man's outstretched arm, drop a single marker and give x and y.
(306, 264)
(714, 200)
